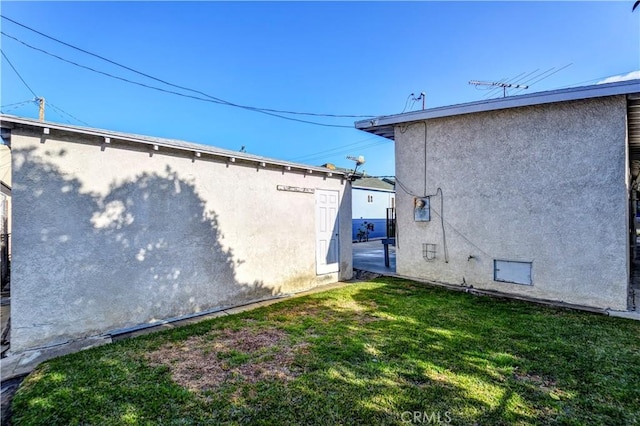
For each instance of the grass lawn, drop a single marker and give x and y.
(388, 351)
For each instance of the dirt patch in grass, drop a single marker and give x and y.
(361, 312)
(205, 362)
(542, 384)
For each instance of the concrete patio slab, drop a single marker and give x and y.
(369, 256)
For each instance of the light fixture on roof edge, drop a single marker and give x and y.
(359, 161)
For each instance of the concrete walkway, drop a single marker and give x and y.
(369, 256)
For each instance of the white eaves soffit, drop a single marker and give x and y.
(384, 125)
(112, 139)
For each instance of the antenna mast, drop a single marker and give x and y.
(498, 84)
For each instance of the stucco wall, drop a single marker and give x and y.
(112, 238)
(543, 184)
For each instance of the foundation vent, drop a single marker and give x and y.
(511, 271)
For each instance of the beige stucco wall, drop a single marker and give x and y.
(112, 238)
(545, 184)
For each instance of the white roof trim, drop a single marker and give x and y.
(153, 142)
(383, 125)
(368, 188)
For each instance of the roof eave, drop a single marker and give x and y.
(154, 142)
(384, 125)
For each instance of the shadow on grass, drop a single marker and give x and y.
(386, 352)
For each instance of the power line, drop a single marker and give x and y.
(34, 94)
(182, 87)
(346, 151)
(17, 104)
(173, 92)
(11, 107)
(332, 149)
(439, 214)
(60, 110)
(17, 73)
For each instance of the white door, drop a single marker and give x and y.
(327, 235)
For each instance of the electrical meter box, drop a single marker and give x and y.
(422, 209)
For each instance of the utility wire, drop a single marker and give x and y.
(209, 99)
(183, 87)
(17, 104)
(17, 73)
(60, 110)
(10, 107)
(439, 214)
(333, 149)
(406, 103)
(346, 151)
(62, 117)
(34, 93)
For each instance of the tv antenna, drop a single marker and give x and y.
(498, 84)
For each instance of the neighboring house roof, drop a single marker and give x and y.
(390, 181)
(372, 183)
(384, 125)
(154, 144)
(334, 167)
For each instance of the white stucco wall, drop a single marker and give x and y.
(105, 239)
(544, 184)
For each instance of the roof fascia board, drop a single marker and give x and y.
(366, 188)
(539, 98)
(151, 141)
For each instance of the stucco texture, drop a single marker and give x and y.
(111, 238)
(545, 184)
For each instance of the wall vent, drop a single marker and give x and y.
(512, 271)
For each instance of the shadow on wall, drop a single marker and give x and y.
(147, 250)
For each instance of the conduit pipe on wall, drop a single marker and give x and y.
(444, 235)
(439, 190)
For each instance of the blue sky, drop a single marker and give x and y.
(345, 58)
